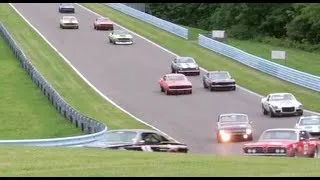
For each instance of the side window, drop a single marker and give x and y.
(150, 138)
(303, 135)
(164, 138)
(207, 74)
(268, 98)
(175, 60)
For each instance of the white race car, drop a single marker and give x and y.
(277, 104)
(69, 22)
(310, 124)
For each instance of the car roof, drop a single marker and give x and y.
(283, 129)
(230, 114)
(104, 18)
(68, 17)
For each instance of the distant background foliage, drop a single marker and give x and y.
(294, 25)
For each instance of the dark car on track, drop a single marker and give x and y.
(66, 8)
(138, 140)
(215, 80)
(233, 126)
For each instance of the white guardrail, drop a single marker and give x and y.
(95, 130)
(160, 23)
(282, 72)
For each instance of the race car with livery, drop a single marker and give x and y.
(185, 65)
(175, 84)
(120, 37)
(102, 23)
(284, 142)
(138, 140)
(69, 22)
(279, 104)
(218, 80)
(234, 126)
(66, 8)
(310, 124)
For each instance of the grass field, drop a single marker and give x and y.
(244, 75)
(297, 59)
(60, 75)
(25, 111)
(15, 161)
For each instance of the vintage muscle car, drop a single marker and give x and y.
(138, 140)
(233, 126)
(120, 37)
(215, 80)
(102, 23)
(284, 142)
(281, 104)
(67, 22)
(310, 124)
(185, 65)
(66, 8)
(175, 84)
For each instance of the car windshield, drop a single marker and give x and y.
(279, 135)
(235, 118)
(66, 4)
(185, 60)
(121, 137)
(119, 32)
(219, 75)
(310, 121)
(103, 19)
(281, 97)
(69, 18)
(175, 78)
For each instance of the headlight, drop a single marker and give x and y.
(221, 132)
(275, 107)
(248, 131)
(300, 106)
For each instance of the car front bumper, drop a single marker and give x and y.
(104, 27)
(124, 43)
(265, 154)
(279, 111)
(184, 90)
(70, 26)
(67, 10)
(182, 71)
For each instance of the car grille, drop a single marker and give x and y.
(258, 149)
(70, 24)
(223, 83)
(179, 87)
(235, 130)
(273, 149)
(123, 39)
(189, 69)
(288, 109)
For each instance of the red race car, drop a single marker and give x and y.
(175, 84)
(284, 142)
(102, 23)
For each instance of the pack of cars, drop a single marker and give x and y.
(298, 141)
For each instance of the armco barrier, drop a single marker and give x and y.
(160, 23)
(288, 74)
(93, 128)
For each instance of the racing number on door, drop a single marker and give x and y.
(146, 148)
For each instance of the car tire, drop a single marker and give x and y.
(211, 88)
(198, 74)
(172, 70)
(190, 92)
(300, 113)
(205, 85)
(234, 88)
(161, 89)
(264, 111)
(271, 113)
(316, 153)
(250, 138)
(167, 92)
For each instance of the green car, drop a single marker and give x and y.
(120, 37)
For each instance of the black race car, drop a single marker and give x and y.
(215, 80)
(66, 8)
(138, 140)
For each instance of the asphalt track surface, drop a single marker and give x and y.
(129, 76)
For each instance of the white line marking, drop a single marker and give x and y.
(87, 81)
(170, 52)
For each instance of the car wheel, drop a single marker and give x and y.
(271, 113)
(211, 88)
(204, 85)
(172, 70)
(161, 88)
(190, 92)
(300, 113)
(198, 74)
(295, 154)
(234, 88)
(316, 153)
(264, 111)
(250, 138)
(114, 42)
(167, 92)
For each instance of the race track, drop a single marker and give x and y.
(129, 76)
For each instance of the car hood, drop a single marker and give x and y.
(66, 7)
(122, 36)
(285, 103)
(69, 21)
(272, 143)
(187, 65)
(234, 125)
(178, 83)
(222, 80)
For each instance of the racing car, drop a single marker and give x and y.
(138, 140)
(69, 22)
(277, 104)
(284, 142)
(185, 65)
(102, 23)
(233, 126)
(66, 8)
(310, 124)
(175, 84)
(215, 80)
(120, 37)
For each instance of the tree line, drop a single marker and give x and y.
(285, 24)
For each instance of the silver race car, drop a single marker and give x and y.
(277, 104)
(185, 65)
(221, 80)
(69, 22)
(310, 124)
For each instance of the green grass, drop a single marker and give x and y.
(15, 161)
(25, 111)
(245, 76)
(61, 76)
(298, 59)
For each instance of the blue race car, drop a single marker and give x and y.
(66, 8)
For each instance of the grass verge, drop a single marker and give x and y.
(25, 111)
(15, 161)
(61, 76)
(247, 77)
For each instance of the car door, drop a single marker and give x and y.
(150, 140)
(303, 144)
